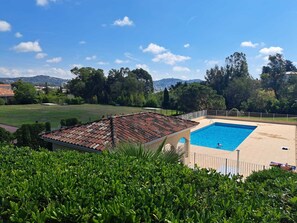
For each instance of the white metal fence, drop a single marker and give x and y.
(240, 114)
(194, 115)
(253, 115)
(224, 165)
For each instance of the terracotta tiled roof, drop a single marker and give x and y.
(6, 92)
(142, 127)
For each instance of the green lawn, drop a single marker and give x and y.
(16, 115)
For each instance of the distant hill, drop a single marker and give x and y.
(36, 80)
(167, 82)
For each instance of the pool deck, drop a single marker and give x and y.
(262, 146)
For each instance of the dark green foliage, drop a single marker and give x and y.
(47, 126)
(81, 187)
(165, 103)
(24, 93)
(74, 101)
(28, 135)
(5, 136)
(2, 101)
(69, 122)
(194, 97)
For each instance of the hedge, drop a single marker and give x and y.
(69, 186)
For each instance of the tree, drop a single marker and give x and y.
(239, 90)
(144, 77)
(194, 97)
(274, 75)
(88, 83)
(215, 78)
(236, 66)
(165, 103)
(24, 93)
(28, 135)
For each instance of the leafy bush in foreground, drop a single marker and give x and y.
(68, 186)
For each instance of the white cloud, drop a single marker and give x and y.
(53, 72)
(295, 63)
(271, 50)
(198, 70)
(54, 60)
(91, 57)
(44, 2)
(102, 63)
(123, 22)
(211, 62)
(28, 47)
(18, 35)
(118, 61)
(82, 42)
(40, 55)
(170, 58)
(180, 69)
(4, 26)
(187, 45)
(143, 66)
(154, 48)
(249, 44)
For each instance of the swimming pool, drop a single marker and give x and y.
(221, 135)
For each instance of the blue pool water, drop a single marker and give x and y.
(229, 136)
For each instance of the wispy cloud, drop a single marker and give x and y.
(94, 57)
(249, 44)
(130, 56)
(40, 55)
(118, 61)
(44, 2)
(211, 63)
(18, 35)
(187, 45)
(102, 63)
(123, 22)
(153, 48)
(25, 47)
(82, 42)
(4, 26)
(170, 58)
(181, 69)
(54, 60)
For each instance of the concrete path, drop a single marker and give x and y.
(9, 128)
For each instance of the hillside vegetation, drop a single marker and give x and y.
(43, 186)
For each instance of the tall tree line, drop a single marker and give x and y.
(275, 91)
(123, 86)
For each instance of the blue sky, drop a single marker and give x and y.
(169, 38)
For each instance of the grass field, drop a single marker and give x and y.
(16, 115)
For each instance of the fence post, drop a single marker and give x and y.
(194, 159)
(263, 167)
(226, 166)
(226, 113)
(249, 114)
(237, 161)
(216, 112)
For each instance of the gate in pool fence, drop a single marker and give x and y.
(224, 165)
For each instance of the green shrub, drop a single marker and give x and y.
(69, 186)
(5, 136)
(74, 101)
(69, 122)
(2, 101)
(28, 135)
